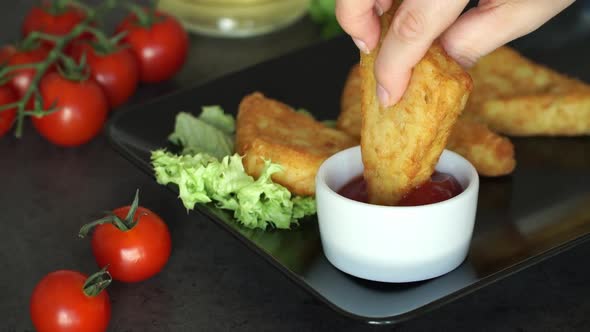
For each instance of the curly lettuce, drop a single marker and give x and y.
(258, 203)
(208, 171)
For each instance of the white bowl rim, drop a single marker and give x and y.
(321, 182)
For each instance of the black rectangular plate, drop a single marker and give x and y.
(538, 211)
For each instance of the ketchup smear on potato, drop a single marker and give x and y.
(440, 187)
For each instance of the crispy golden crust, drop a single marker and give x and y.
(349, 119)
(490, 153)
(516, 96)
(546, 115)
(401, 144)
(269, 129)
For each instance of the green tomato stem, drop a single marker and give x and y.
(7, 69)
(73, 71)
(80, 5)
(110, 219)
(97, 282)
(145, 16)
(36, 35)
(6, 107)
(103, 45)
(122, 224)
(134, 205)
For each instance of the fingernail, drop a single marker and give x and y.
(378, 9)
(361, 45)
(383, 95)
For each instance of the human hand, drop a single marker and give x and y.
(417, 23)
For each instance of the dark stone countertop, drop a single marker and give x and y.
(212, 282)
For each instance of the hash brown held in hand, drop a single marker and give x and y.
(267, 129)
(490, 153)
(401, 144)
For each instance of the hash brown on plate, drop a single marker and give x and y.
(267, 129)
(518, 97)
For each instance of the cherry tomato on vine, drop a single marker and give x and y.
(159, 42)
(67, 300)
(134, 242)
(6, 52)
(21, 78)
(115, 70)
(82, 109)
(7, 96)
(52, 18)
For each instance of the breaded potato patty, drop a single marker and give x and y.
(267, 129)
(516, 96)
(401, 144)
(490, 153)
(350, 117)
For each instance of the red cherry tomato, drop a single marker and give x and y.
(117, 72)
(57, 23)
(136, 254)
(7, 96)
(6, 52)
(22, 78)
(82, 110)
(160, 48)
(59, 304)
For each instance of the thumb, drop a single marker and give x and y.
(360, 19)
(494, 23)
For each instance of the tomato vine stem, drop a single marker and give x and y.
(97, 282)
(59, 44)
(122, 224)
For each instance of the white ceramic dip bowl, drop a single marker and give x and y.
(394, 243)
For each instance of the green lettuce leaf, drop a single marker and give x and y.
(256, 203)
(208, 133)
(303, 206)
(186, 171)
(215, 116)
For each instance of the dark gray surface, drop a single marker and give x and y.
(49, 192)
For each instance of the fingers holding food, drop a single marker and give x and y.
(414, 26)
(490, 153)
(401, 144)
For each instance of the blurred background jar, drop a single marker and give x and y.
(235, 18)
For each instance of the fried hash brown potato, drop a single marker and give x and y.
(519, 97)
(490, 153)
(350, 117)
(401, 144)
(267, 129)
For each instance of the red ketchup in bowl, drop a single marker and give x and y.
(440, 187)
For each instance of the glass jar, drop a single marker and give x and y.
(235, 18)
